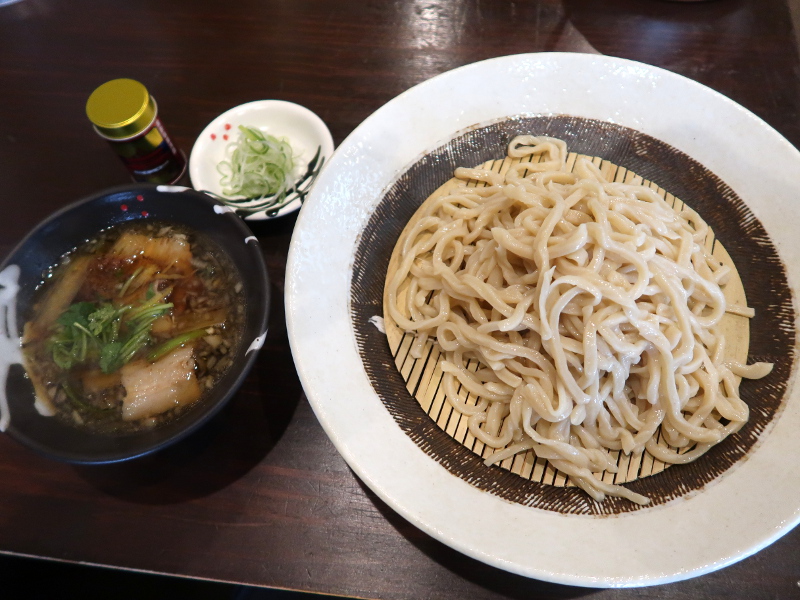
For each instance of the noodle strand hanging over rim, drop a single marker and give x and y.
(591, 308)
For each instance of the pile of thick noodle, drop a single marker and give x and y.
(589, 306)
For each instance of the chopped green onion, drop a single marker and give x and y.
(130, 281)
(173, 343)
(260, 165)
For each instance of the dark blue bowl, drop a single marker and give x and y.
(62, 232)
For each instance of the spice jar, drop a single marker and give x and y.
(125, 114)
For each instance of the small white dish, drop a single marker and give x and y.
(303, 129)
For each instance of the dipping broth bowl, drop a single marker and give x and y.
(24, 269)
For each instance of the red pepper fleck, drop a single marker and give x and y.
(227, 126)
(140, 198)
(145, 213)
(213, 136)
(225, 137)
(124, 207)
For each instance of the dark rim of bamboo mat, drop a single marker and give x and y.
(772, 334)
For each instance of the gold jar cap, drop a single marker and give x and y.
(120, 108)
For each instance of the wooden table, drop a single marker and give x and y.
(260, 496)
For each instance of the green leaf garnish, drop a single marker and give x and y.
(77, 313)
(98, 332)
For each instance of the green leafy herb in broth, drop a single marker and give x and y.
(133, 327)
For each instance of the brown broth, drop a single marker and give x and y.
(189, 270)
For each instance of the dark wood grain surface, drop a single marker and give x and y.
(260, 496)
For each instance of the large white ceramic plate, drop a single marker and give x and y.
(741, 512)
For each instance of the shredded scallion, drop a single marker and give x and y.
(260, 165)
(170, 345)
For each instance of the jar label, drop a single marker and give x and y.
(151, 157)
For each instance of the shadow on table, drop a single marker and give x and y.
(241, 435)
(674, 35)
(33, 579)
(490, 578)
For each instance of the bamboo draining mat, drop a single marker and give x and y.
(423, 376)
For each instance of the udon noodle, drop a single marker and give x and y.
(591, 309)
